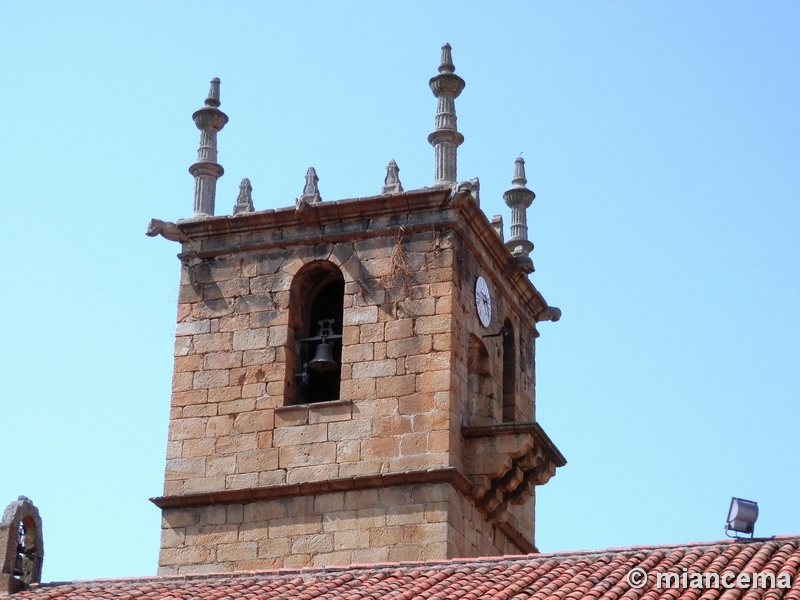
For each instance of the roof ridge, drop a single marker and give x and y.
(541, 556)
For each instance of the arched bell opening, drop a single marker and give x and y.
(316, 309)
(483, 405)
(509, 373)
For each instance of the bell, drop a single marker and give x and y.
(323, 359)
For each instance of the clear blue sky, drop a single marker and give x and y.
(661, 139)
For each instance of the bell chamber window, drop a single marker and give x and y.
(509, 373)
(317, 305)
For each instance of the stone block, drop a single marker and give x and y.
(419, 344)
(384, 447)
(348, 451)
(184, 468)
(294, 526)
(378, 368)
(395, 386)
(398, 329)
(330, 413)
(237, 551)
(347, 540)
(371, 332)
(224, 396)
(212, 342)
(312, 544)
(300, 434)
(220, 465)
(328, 503)
(219, 426)
(432, 361)
(241, 481)
(385, 536)
(237, 443)
(290, 416)
(318, 453)
(185, 429)
(357, 429)
(210, 379)
(258, 357)
(357, 353)
(433, 324)
(359, 315)
(274, 548)
(199, 485)
(260, 512)
(188, 363)
(198, 447)
(233, 323)
(357, 389)
(182, 382)
(312, 473)
(390, 426)
(435, 381)
(185, 556)
(223, 360)
(190, 397)
(226, 289)
(250, 339)
(249, 422)
(416, 403)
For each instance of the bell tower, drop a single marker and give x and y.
(353, 379)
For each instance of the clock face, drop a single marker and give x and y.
(483, 301)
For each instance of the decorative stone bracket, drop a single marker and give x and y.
(504, 462)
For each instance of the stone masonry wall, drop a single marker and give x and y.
(399, 523)
(233, 362)
(466, 323)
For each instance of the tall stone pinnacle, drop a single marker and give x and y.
(445, 139)
(519, 198)
(209, 120)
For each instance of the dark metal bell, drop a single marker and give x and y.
(323, 359)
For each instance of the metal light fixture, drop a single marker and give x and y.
(742, 516)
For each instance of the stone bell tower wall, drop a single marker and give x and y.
(232, 422)
(405, 419)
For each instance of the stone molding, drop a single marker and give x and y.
(416, 210)
(449, 475)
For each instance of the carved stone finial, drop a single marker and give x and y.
(311, 190)
(445, 139)
(446, 64)
(209, 120)
(244, 202)
(392, 183)
(213, 94)
(519, 198)
(21, 545)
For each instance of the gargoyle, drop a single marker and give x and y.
(551, 313)
(167, 230)
(461, 190)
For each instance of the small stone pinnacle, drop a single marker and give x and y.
(447, 65)
(213, 94)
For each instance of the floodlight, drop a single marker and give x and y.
(742, 516)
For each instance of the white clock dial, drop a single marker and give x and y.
(483, 302)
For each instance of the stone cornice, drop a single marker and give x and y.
(341, 220)
(542, 439)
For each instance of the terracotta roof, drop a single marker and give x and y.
(562, 576)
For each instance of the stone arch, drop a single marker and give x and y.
(23, 546)
(316, 294)
(483, 405)
(510, 412)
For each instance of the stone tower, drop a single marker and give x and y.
(354, 379)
